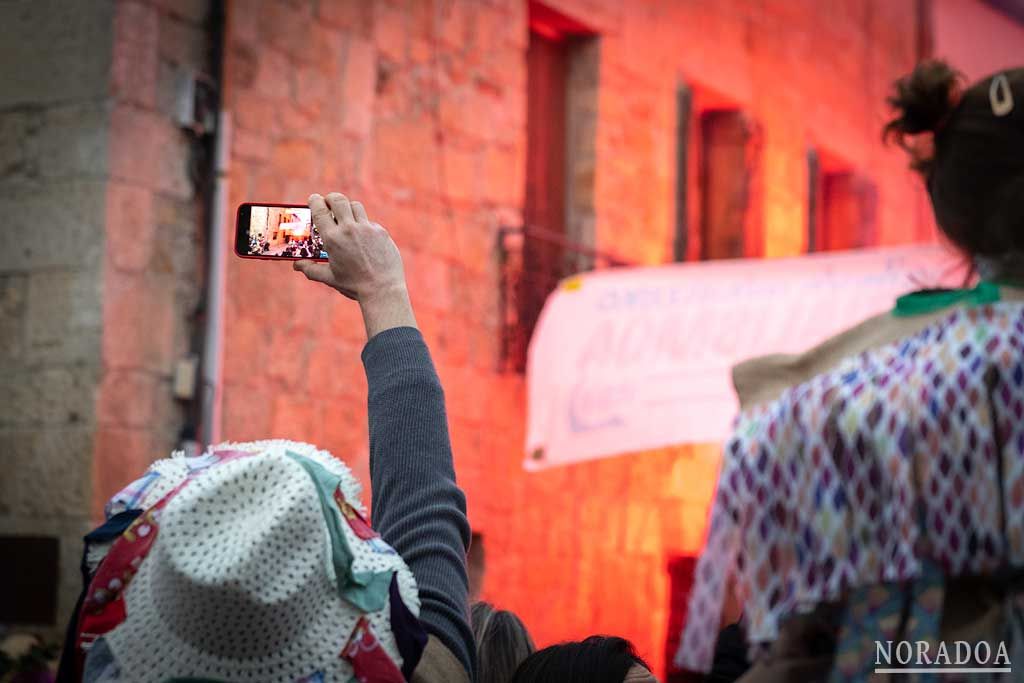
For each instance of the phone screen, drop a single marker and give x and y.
(278, 231)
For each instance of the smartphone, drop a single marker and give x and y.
(277, 231)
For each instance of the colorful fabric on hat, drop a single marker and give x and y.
(369, 661)
(908, 453)
(369, 591)
(103, 607)
(161, 477)
(410, 637)
(130, 497)
(97, 544)
(366, 590)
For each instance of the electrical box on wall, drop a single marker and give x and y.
(195, 105)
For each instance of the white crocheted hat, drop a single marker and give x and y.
(260, 568)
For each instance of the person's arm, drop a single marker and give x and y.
(417, 507)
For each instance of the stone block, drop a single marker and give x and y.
(391, 32)
(461, 390)
(130, 226)
(72, 142)
(354, 15)
(184, 44)
(312, 92)
(288, 357)
(127, 399)
(13, 296)
(296, 417)
(346, 323)
(257, 286)
(490, 113)
(136, 22)
(178, 243)
(454, 339)
(192, 11)
(57, 225)
(46, 472)
(475, 239)
(404, 154)
(460, 177)
(273, 74)
(248, 409)
(304, 122)
(260, 184)
(63, 317)
(245, 341)
(250, 145)
(148, 149)
(285, 27)
(346, 166)
(296, 159)
(428, 279)
(327, 45)
(422, 52)
(19, 129)
(359, 82)
(241, 66)
(326, 358)
(257, 114)
(137, 322)
(134, 70)
(504, 175)
(53, 397)
(75, 64)
(456, 20)
(505, 69)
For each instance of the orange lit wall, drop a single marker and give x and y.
(418, 109)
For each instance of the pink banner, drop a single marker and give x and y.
(627, 360)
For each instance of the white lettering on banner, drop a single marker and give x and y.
(974, 660)
(628, 360)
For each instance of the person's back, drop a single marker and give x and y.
(883, 465)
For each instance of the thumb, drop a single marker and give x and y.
(317, 272)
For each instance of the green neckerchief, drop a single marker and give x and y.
(931, 300)
(366, 590)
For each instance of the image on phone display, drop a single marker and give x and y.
(285, 232)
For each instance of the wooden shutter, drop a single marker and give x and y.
(731, 145)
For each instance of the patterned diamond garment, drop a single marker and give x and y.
(906, 453)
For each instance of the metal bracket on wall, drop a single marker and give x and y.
(195, 102)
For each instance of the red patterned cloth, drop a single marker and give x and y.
(370, 663)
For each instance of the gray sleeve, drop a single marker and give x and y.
(416, 505)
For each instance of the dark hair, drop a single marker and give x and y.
(598, 659)
(975, 169)
(502, 643)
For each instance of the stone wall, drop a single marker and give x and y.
(418, 109)
(154, 263)
(54, 134)
(102, 267)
